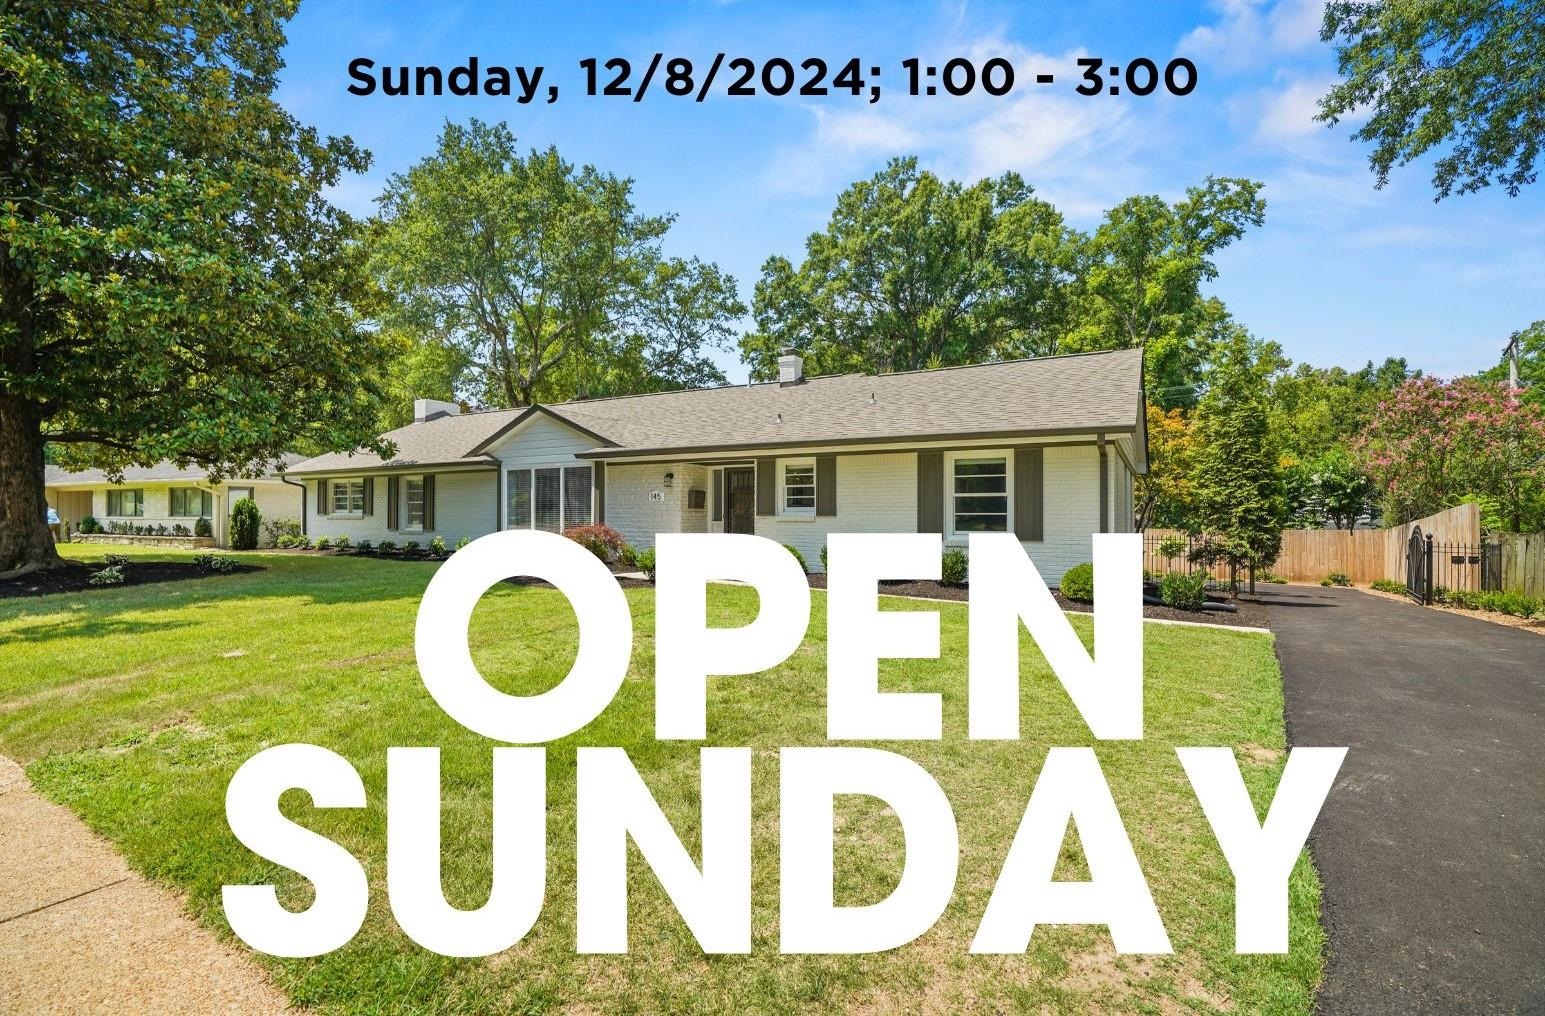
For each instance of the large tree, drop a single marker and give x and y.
(544, 278)
(1140, 280)
(172, 282)
(913, 271)
(1465, 78)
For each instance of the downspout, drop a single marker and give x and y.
(1104, 485)
(303, 512)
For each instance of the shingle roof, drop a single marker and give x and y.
(1083, 393)
(165, 470)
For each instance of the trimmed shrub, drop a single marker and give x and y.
(600, 539)
(798, 557)
(1388, 586)
(954, 567)
(245, 520)
(1184, 590)
(1172, 546)
(646, 563)
(202, 527)
(274, 528)
(1078, 583)
(110, 576)
(89, 524)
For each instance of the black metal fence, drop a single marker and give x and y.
(1433, 566)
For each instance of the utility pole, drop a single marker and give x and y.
(1511, 352)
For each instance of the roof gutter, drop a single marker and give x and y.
(914, 439)
(303, 512)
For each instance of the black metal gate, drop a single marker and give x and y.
(1419, 567)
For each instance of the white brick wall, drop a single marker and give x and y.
(272, 497)
(875, 494)
(630, 511)
(464, 507)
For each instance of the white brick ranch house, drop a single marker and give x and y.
(1045, 448)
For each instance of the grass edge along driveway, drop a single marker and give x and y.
(134, 706)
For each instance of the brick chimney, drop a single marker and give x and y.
(432, 409)
(791, 368)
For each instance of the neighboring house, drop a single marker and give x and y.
(1044, 448)
(165, 494)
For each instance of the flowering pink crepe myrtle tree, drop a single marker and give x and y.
(1433, 443)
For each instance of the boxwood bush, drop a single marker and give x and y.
(1078, 583)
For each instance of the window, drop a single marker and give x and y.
(520, 499)
(549, 514)
(799, 488)
(190, 502)
(576, 497)
(126, 503)
(979, 494)
(413, 503)
(552, 498)
(348, 497)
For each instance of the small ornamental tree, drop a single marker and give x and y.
(1435, 444)
(1238, 507)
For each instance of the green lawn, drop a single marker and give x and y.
(134, 706)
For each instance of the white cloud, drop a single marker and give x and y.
(1249, 31)
(1289, 114)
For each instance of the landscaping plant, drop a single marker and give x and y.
(1388, 586)
(954, 566)
(201, 527)
(111, 576)
(1336, 578)
(437, 546)
(245, 521)
(798, 557)
(646, 563)
(600, 539)
(323, 543)
(1078, 583)
(1184, 590)
(341, 543)
(116, 560)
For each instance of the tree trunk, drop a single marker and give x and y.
(26, 545)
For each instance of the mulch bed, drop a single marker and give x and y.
(1252, 614)
(73, 577)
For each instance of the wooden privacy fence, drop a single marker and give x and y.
(1523, 563)
(1363, 555)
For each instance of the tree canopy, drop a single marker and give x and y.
(173, 283)
(912, 271)
(1462, 77)
(543, 277)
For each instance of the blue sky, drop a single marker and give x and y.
(1340, 273)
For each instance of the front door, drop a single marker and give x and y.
(740, 500)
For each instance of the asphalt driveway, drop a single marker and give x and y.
(1432, 843)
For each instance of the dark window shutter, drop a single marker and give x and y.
(391, 503)
(370, 495)
(1029, 465)
(930, 492)
(429, 502)
(766, 486)
(718, 495)
(826, 485)
(598, 482)
(324, 506)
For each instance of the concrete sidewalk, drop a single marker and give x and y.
(81, 933)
